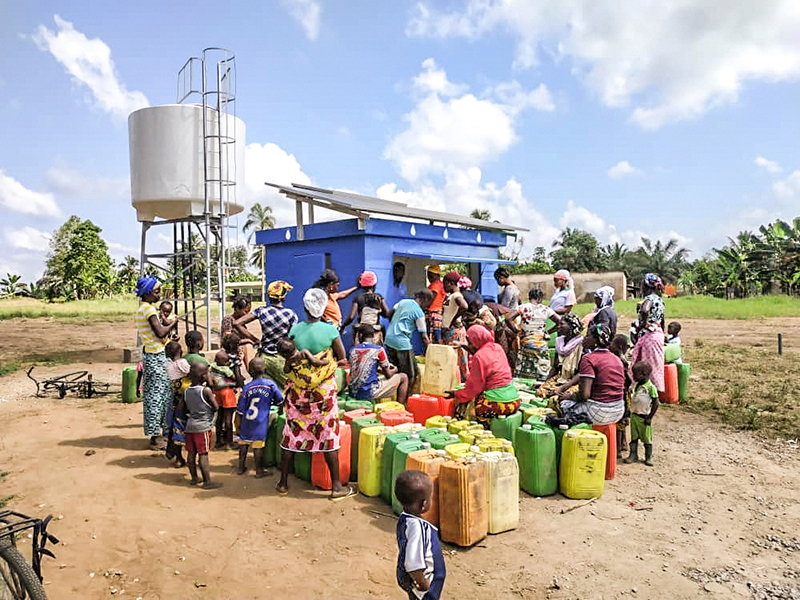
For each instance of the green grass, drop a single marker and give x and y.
(707, 307)
(4, 501)
(9, 367)
(747, 388)
(108, 309)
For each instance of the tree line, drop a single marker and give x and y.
(752, 263)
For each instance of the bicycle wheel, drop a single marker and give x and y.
(17, 578)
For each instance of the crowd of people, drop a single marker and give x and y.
(295, 360)
(293, 364)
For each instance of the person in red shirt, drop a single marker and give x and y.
(488, 387)
(433, 316)
(600, 399)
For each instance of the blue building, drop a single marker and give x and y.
(417, 238)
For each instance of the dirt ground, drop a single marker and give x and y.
(717, 517)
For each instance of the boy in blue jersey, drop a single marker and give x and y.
(420, 562)
(253, 415)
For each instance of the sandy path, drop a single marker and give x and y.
(709, 504)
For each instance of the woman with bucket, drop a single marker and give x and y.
(650, 340)
(312, 412)
(276, 320)
(157, 387)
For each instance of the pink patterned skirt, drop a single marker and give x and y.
(312, 418)
(650, 349)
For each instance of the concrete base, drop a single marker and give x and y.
(132, 355)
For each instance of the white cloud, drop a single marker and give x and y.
(433, 80)
(450, 129)
(70, 182)
(89, 63)
(623, 169)
(770, 166)
(789, 188)
(666, 61)
(28, 238)
(15, 197)
(307, 13)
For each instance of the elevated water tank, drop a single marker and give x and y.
(167, 175)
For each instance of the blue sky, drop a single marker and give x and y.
(666, 119)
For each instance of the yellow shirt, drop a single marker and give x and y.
(151, 344)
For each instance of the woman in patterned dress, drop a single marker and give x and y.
(312, 411)
(650, 341)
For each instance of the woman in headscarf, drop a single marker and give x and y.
(600, 399)
(569, 350)
(604, 309)
(650, 340)
(312, 412)
(533, 360)
(563, 299)
(276, 320)
(453, 331)
(494, 316)
(329, 282)
(157, 387)
(488, 391)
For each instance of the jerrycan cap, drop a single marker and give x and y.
(563, 427)
(342, 422)
(502, 416)
(473, 422)
(414, 436)
(527, 427)
(474, 449)
(453, 436)
(571, 434)
(443, 429)
(441, 453)
(426, 445)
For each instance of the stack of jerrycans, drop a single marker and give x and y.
(463, 496)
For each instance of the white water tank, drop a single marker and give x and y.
(167, 176)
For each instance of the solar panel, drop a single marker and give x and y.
(349, 203)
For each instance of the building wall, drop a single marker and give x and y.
(585, 284)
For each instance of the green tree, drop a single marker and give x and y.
(577, 251)
(481, 214)
(53, 281)
(616, 257)
(259, 218)
(667, 260)
(12, 285)
(127, 274)
(87, 266)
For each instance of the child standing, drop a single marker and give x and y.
(673, 333)
(619, 346)
(252, 413)
(420, 562)
(224, 383)
(365, 359)
(433, 314)
(200, 407)
(644, 405)
(178, 371)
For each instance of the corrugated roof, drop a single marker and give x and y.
(363, 206)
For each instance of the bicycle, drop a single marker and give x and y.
(20, 580)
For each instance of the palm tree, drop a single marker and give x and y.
(259, 218)
(12, 286)
(481, 214)
(616, 256)
(667, 260)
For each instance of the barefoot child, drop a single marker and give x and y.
(178, 371)
(252, 415)
(420, 562)
(225, 395)
(294, 357)
(199, 404)
(644, 405)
